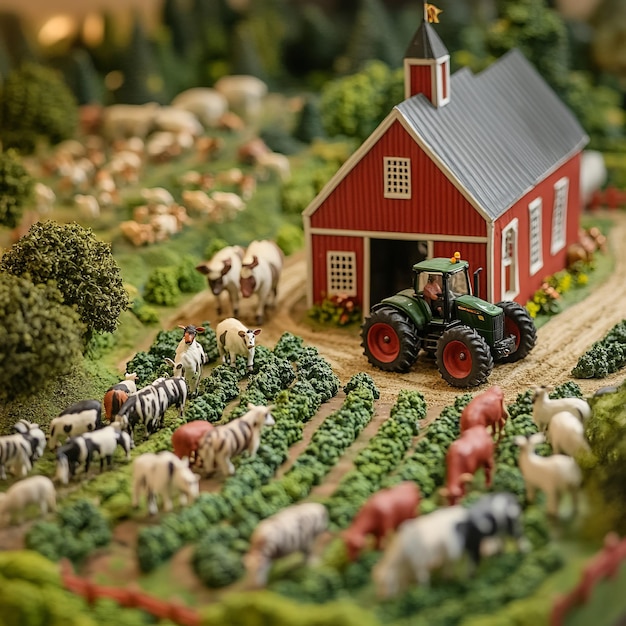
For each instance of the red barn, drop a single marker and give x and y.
(485, 164)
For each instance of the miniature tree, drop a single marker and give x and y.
(39, 336)
(16, 187)
(309, 125)
(83, 267)
(36, 104)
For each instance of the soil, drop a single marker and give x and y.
(560, 342)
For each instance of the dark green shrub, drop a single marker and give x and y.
(162, 287)
(16, 188)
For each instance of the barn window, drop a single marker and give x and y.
(559, 215)
(510, 271)
(341, 272)
(397, 178)
(535, 248)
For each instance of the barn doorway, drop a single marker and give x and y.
(391, 261)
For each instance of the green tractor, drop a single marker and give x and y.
(439, 314)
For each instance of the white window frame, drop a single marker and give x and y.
(512, 262)
(559, 215)
(535, 239)
(341, 273)
(397, 177)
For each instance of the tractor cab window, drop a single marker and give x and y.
(430, 285)
(458, 284)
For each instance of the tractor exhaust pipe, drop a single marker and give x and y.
(477, 281)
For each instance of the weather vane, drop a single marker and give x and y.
(431, 13)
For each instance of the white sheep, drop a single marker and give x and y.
(544, 407)
(207, 104)
(233, 339)
(273, 162)
(228, 203)
(566, 434)
(121, 121)
(177, 120)
(157, 195)
(244, 93)
(37, 490)
(554, 475)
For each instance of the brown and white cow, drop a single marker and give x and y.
(471, 451)
(486, 409)
(222, 273)
(186, 438)
(381, 515)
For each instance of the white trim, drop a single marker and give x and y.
(490, 263)
(438, 86)
(535, 238)
(436, 89)
(383, 234)
(558, 236)
(349, 283)
(367, 269)
(308, 247)
(513, 226)
(397, 177)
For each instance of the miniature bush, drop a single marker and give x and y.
(189, 279)
(338, 309)
(82, 266)
(40, 337)
(36, 104)
(290, 238)
(162, 287)
(16, 188)
(289, 347)
(605, 356)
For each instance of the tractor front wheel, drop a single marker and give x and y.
(463, 357)
(389, 340)
(517, 322)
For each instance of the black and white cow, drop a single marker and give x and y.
(79, 418)
(15, 453)
(35, 437)
(69, 456)
(104, 442)
(149, 404)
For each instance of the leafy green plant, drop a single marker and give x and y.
(16, 188)
(338, 309)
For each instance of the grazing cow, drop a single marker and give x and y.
(189, 357)
(545, 407)
(128, 120)
(186, 439)
(207, 104)
(244, 93)
(15, 455)
(233, 339)
(222, 273)
(104, 442)
(116, 395)
(471, 451)
(493, 516)
(420, 546)
(381, 515)
(79, 418)
(294, 529)
(177, 120)
(165, 475)
(38, 490)
(35, 437)
(227, 204)
(274, 162)
(260, 272)
(486, 409)
(554, 475)
(69, 456)
(149, 404)
(225, 441)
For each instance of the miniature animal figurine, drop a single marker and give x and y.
(493, 516)
(225, 441)
(233, 339)
(420, 546)
(294, 529)
(274, 162)
(186, 439)
(260, 273)
(15, 455)
(222, 272)
(164, 475)
(554, 475)
(149, 404)
(78, 418)
(35, 437)
(189, 358)
(566, 434)
(69, 456)
(486, 409)
(207, 104)
(472, 450)
(380, 516)
(545, 407)
(117, 394)
(128, 120)
(37, 490)
(244, 93)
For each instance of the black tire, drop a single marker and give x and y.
(463, 357)
(389, 340)
(517, 321)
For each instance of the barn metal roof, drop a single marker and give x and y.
(501, 133)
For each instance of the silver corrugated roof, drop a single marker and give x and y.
(501, 133)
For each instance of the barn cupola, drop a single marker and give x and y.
(427, 62)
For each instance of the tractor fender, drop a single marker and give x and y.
(415, 308)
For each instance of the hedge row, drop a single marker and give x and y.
(605, 356)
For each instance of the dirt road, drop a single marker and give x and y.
(560, 342)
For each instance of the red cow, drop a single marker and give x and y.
(185, 439)
(486, 409)
(472, 450)
(381, 515)
(116, 395)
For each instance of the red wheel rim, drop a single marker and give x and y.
(457, 359)
(383, 342)
(512, 328)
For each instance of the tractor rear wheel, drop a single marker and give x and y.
(389, 340)
(463, 357)
(517, 322)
